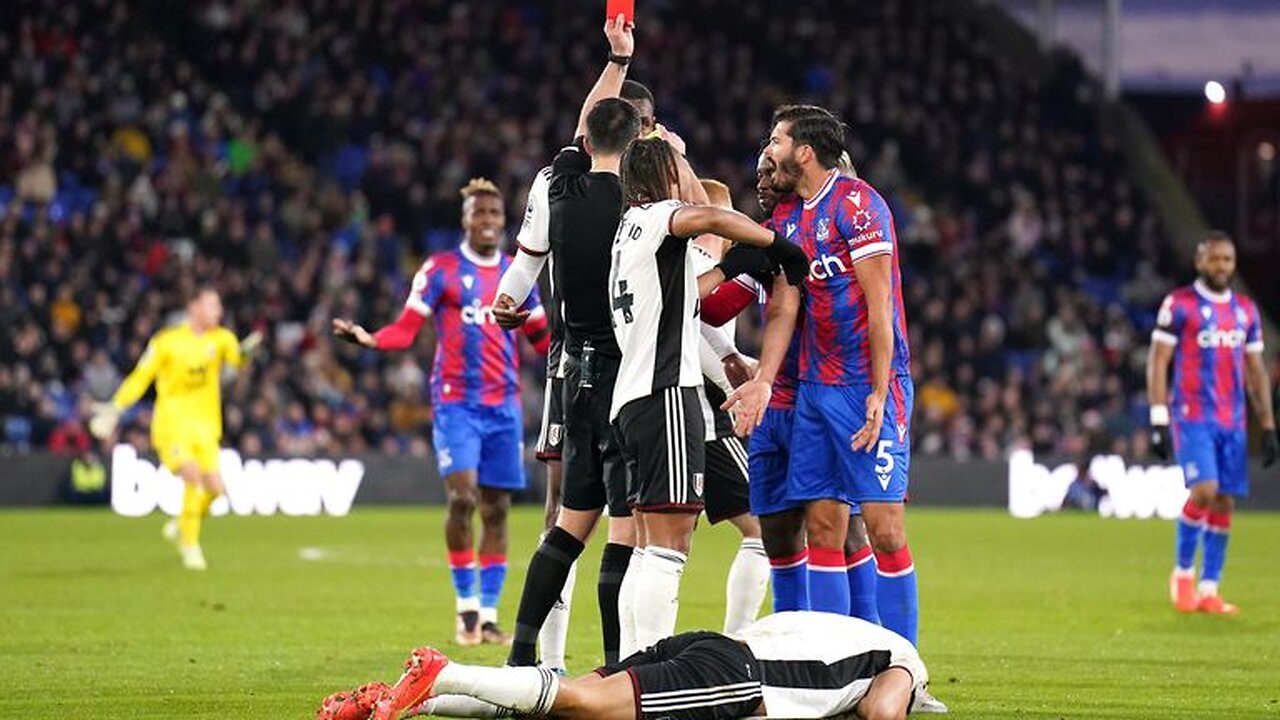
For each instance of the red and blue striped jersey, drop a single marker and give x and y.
(845, 223)
(476, 361)
(787, 380)
(1210, 334)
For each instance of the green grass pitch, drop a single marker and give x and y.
(1061, 617)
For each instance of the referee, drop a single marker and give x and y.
(584, 196)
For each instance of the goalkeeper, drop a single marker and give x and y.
(185, 362)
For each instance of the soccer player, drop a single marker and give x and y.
(854, 369)
(787, 665)
(653, 293)
(185, 362)
(1213, 336)
(475, 393)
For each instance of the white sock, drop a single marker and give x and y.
(660, 578)
(1208, 587)
(467, 604)
(744, 590)
(457, 706)
(555, 630)
(488, 615)
(529, 690)
(627, 606)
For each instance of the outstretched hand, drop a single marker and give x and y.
(869, 433)
(506, 314)
(353, 333)
(748, 404)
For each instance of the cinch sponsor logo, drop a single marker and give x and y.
(1215, 338)
(477, 314)
(825, 267)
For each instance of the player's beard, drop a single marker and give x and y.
(786, 176)
(1214, 284)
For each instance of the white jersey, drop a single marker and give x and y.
(716, 343)
(653, 294)
(535, 239)
(817, 665)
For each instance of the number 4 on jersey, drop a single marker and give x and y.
(623, 300)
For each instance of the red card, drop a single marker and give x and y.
(614, 8)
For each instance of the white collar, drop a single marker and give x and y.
(822, 192)
(1208, 294)
(480, 260)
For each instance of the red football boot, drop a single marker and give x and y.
(352, 705)
(1215, 605)
(414, 686)
(1182, 590)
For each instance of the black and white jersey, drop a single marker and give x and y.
(534, 239)
(653, 293)
(716, 386)
(817, 665)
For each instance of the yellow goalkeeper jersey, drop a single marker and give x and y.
(187, 371)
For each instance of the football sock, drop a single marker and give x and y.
(828, 581)
(1190, 529)
(1217, 533)
(458, 706)
(527, 690)
(195, 501)
(627, 606)
(493, 573)
(543, 584)
(555, 630)
(896, 597)
(660, 579)
(462, 566)
(790, 582)
(746, 587)
(861, 569)
(613, 568)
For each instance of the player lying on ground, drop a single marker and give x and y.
(788, 665)
(185, 363)
(1214, 339)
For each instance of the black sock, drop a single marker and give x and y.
(613, 567)
(542, 585)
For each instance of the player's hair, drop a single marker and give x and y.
(479, 186)
(633, 91)
(200, 289)
(717, 192)
(816, 127)
(648, 171)
(611, 125)
(1210, 237)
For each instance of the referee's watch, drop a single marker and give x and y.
(623, 60)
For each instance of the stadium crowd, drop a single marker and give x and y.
(307, 156)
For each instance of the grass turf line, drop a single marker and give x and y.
(1061, 617)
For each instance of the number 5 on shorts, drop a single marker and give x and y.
(884, 463)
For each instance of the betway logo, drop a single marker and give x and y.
(1133, 491)
(477, 314)
(295, 486)
(825, 267)
(1220, 338)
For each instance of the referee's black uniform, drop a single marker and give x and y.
(584, 209)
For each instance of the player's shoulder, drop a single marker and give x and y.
(442, 260)
(858, 195)
(1183, 294)
(1246, 303)
(653, 212)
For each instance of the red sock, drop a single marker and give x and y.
(895, 563)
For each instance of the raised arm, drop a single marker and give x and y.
(751, 399)
(609, 84)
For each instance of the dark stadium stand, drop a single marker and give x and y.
(307, 157)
